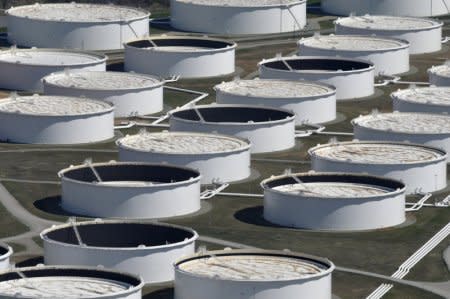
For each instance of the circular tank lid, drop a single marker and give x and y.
(96, 80)
(389, 23)
(275, 89)
(255, 265)
(409, 123)
(119, 235)
(52, 106)
(242, 3)
(352, 43)
(78, 12)
(183, 143)
(50, 57)
(66, 282)
(381, 153)
(332, 185)
(441, 70)
(426, 95)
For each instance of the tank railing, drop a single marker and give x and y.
(209, 193)
(199, 114)
(153, 43)
(404, 268)
(288, 7)
(420, 203)
(397, 80)
(232, 194)
(286, 64)
(73, 223)
(88, 163)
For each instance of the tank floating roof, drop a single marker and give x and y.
(426, 95)
(181, 44)
(257, 265)
(377, 152)
(441, 70)
(53, 106)
(95, 80)
(77, 12)
(317, 64)
(242, 3)
(390, 23)
(410, 123)
(66, 282)
(353, 42)
(276, 89)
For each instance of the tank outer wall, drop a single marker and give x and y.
(75, 35)
(127, 102)
(349, 85)
(423, 177)
(5, 258)
(186, 64)
(406, 106)
(31, 75)
(438, 80)
(421, 41)
(335, 214)
(232, 20)
(306, 109)
(412, 8)
(388, 62)
(38, 129)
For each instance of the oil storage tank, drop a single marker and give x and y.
(248, 274)
(143, 248)
(23, 69)
(268, 129)
(412, 8)
(217, 157)
(353, 78)
(184, 56)
(420, 128)
(390, 56)
(334, 201)
(423, 35)
(69, 282)
(237, 17)
(5, 254)
(75, 25)
(440, 75)
(421, 168)
(55, 120)
(312, 102)
(131, 94)
(422, 100)
(130, 190)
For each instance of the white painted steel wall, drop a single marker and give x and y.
(312, 109)
(423, 40)
(189, 286)
(75, 35)
(130, 201)
(427, 176)
(389, 62)
(438, 79)
(154, 263)
(5, 258)
(267, 136)
(65, 129)
(349, 84)
(413, 8)
(334, 214)
(184, 63)
(127, 102)
(236, 20)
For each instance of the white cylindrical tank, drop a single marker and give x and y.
(217, 157)
(390, 56)
(412, 8)
(184, 56)
(5, 254)
(420, 128)
(421, 168)
(422, 100)
(248, 274)
(334, 201)
(440, 75)
(75, 25)
(352, 78)
(423, 35)
(142, 248)
(267, 129)
(130, 190)
(237, 17)
(312, 102)
(131, 94)
(69, 282)
(55, 120)
(23, 69)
